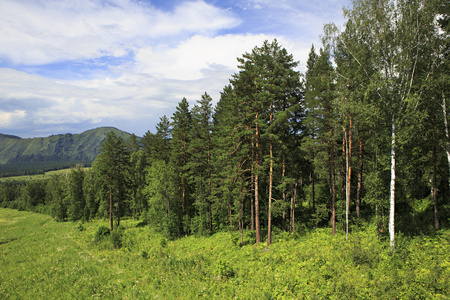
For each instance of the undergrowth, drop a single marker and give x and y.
(45, 259)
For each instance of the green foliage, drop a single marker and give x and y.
(101, 232)
(63, 147)
(162, 212)
(312, 265)
(163, 243)
(270, 155)
(80, 227)
(26, 170)
(224, 270)
(116, 237)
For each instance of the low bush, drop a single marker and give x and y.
(101, 232)
(116, 237)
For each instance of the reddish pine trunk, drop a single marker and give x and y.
(257, 222)
(283, 219)
(343, 171)
(434, 189)
(252, 199)
(118, 209)
(349, 172)
(269, 227)
(111, 221)
(332, 185)
(360, 175)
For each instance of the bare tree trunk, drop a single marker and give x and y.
(118, 208)
(344, 164)
(269, 226)
(347, 196)
(241, 221)
(283, 175)
(360, 174)
(209, 190)
(292, 217)
(313, 191)
(183, 195)
(434, 189)
(349, 173)
(257, 222)
(332, 185)
(447, 141)
(313, 181)
(252, 199)
(111, 219)
(392, 190)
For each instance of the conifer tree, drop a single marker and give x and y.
(231, 162)
(266, 85)
(76, 200)
(321, 117)
(200, 150)
(112, 166)
(180, 156)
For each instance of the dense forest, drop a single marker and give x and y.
(361, 136)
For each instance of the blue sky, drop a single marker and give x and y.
(67, 66)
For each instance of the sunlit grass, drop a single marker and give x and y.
(44, 259)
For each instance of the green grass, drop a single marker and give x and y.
(44, 259)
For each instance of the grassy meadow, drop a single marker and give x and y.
(45, 259)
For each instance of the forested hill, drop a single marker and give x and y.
(55, 148)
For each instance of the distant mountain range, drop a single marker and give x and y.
(83, 147)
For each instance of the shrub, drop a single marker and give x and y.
(116, 237)
(101, 233)
(224, 269)
(144, 254)
(80, 227)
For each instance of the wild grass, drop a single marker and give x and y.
(44, 259)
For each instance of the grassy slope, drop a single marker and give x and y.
(44, 259)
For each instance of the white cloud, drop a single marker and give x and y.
(188, 60)
(41, 32)
(163, 56)
(132, 102)
(8, 119)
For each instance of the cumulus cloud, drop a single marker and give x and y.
(42, 32)
(190, 58)
(68, 66)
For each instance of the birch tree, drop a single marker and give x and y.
(397, 34)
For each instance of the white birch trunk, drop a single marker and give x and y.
(347, 185)
(392, 190)
(447, 148)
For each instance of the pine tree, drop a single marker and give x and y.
(76, 200)
(267, 85)
(112, 166)
(180, 156)
(231, 162)
(321, 117)
(200, 150)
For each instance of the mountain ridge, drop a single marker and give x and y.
(84, 146)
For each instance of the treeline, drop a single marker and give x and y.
(37, 167)
(363, 134)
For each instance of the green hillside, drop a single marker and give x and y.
(52, 152)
